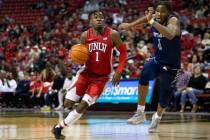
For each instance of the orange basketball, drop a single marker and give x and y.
(79, 54)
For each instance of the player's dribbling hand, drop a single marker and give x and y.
(116, 79)
(124, 26)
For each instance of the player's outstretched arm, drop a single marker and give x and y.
(122, 58)
(141, 20)
(127, 26)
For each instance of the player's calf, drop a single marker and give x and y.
(68, 103)
(82, 107)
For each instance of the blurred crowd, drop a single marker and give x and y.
(34, 62)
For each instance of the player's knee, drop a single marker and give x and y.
(145, 77)
(82, 107)
(163, 104)
(143, 80)
(89, 100)
(68, 103)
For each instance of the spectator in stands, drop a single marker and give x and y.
(2, 79)
(123, 2)
(10, 83)
(206, 40)
(117, 18)
(59, 67)
(61, 93)
(200, 13)
(193, 62)
(206, 11)
(52, 94)
(48, 74)
(142, 49)
(91, 6)
(36, 90)
(181, 84)
(22, 96)
(201, 57)
(7, 87)
(195, 87)
(47, 87)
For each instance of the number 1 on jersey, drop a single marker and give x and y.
(97, 56)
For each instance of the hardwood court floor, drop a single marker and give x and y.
(16, 125)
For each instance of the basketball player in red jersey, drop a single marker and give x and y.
(92, 79)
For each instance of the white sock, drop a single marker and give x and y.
(140, 108)
(72, 117)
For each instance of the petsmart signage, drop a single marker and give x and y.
(126, 92)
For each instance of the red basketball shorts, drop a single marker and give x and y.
(88, 86)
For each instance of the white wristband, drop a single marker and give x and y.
(151, 22)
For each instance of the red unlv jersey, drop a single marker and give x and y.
(100, 49)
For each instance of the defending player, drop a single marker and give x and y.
(165, 28)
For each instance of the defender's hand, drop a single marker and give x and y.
(149, 15)
(124, 26)
(116, 79)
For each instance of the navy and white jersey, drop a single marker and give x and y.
(167, 52)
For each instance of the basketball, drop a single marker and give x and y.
(79, 54)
